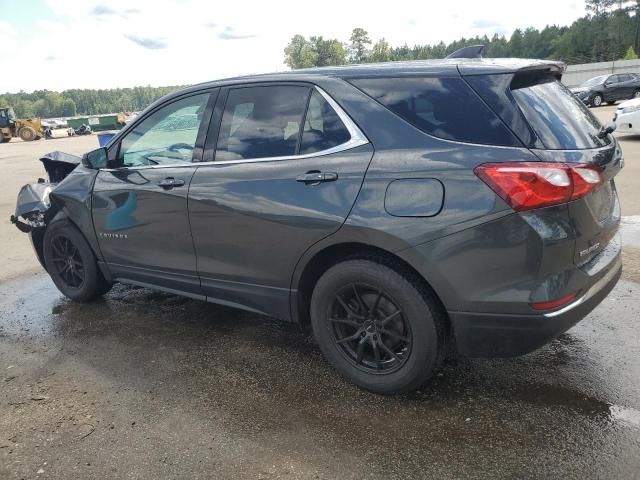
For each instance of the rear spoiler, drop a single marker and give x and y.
(514, 66)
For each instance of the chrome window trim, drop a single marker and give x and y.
(357, 139)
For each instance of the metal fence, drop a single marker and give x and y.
(576, 74)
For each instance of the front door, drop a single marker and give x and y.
(282, 180)
(140, 207)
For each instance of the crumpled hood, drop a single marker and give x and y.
(59, 164)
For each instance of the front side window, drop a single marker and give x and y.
(261, 122)
(323, 128)
(167, 136)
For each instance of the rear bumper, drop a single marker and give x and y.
(504, 335)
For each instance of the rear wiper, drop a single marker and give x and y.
(606, 129)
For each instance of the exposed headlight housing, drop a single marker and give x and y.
(45, 197)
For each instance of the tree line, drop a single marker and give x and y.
(69, 103)
(609, 31)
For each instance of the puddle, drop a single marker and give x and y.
(625, 415)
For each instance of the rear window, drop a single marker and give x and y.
(443, 107)
(560, 120)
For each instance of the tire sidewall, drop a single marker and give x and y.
(31, 133)
(424, 351)
(87, 290)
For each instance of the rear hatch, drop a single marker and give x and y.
(557, 127)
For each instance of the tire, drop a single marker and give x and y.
(2, 139)
(71, 263)
(596, 100)
(355, 305)
(636, 94)
(27, 134)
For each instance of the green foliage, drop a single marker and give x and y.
(358, 49)
(314, 52)
(630, 54)
(48, 104)
(602, 35)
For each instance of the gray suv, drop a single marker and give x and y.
(403, 211)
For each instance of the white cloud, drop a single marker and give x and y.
(117, 43)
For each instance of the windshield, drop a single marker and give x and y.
(594, 81)
(560, 120)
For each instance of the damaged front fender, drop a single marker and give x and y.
(33, 199)
(66, 194)
(32, 205)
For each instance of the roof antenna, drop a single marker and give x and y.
(472, 51)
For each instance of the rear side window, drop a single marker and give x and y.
(560, 120)
(260, 122)
(323, 128)
(443, 107)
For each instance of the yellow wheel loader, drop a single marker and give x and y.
(27, 129)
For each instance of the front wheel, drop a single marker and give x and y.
(27, 134)
(376, 326)
(596, 100)
(636, 94)
(71, 263)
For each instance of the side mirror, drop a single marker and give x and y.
(95, 159)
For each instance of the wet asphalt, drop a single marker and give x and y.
(150, 385)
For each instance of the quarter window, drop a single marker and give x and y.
(323, 128)
(167, 136)
(261, 122)
(443, 107)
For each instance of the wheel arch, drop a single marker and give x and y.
(333, 254)
(37, 237)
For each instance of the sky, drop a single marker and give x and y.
(63, 44)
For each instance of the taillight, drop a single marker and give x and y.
(529, 185)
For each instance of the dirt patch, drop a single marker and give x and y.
(631, 263)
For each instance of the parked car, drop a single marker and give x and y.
(627, 117)
(608, 88)
(402, 211)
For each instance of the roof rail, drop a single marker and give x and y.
(472, 51)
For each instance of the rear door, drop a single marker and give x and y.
(614, 88)
(286, 165)
(627, 84)
(140, 207)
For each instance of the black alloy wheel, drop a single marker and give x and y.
(370, 329)
(67, 261)
(378, 325)
(71, 263)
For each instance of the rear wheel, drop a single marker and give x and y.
(376, 327)
(71, 263)
(27, 134)
(2, 140)
(596, 100)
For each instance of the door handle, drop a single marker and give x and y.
(314, 177)
(170, 182)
